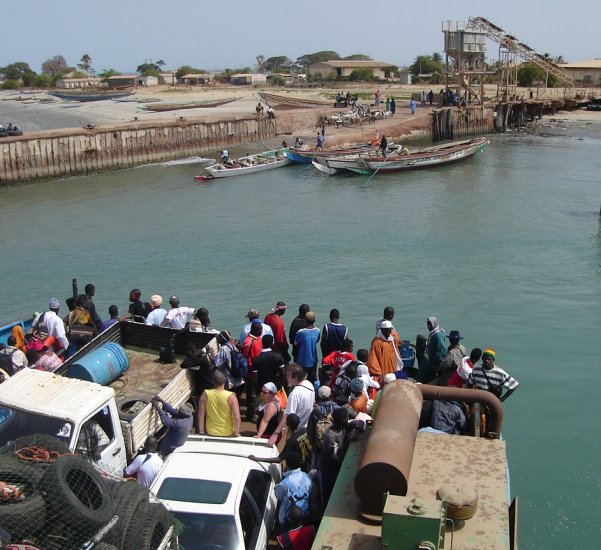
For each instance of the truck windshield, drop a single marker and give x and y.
(16, 423)
(207, 531)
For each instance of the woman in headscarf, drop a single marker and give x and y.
(19, 335)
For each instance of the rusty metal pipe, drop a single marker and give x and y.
(389, 450)
(386, 462)
(495, 407)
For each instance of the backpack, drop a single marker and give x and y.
(321, 427)
(6, 362)
(42, 327)
(239, 364)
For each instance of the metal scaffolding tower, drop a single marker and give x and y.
(510, 49)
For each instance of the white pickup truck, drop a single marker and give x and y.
(223, 499)
(36, 402)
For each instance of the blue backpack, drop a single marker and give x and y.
(239, 364)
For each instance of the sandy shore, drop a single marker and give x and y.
(33, 114)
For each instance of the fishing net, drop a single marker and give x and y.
(53, 499)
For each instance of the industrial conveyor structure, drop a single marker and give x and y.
(510, 49)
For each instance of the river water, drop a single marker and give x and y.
(505, 247)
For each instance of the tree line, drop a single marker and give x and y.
(430, 67)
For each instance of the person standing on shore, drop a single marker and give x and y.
(384, 146)
(319, 142)
(413, 106)
(387, 105)
(393, 106)
(377, 98)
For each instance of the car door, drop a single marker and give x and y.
(257, 506)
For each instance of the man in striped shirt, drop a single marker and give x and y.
(487, 376)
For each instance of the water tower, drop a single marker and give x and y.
(465, 53)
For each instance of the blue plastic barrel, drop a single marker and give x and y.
(101, 365)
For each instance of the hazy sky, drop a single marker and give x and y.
(122, 34)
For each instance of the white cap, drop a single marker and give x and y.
(270, 386)
(385, 324)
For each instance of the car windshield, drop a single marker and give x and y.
(15, 423)
(200, 491)
(207, 532)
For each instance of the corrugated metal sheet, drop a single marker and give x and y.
(52, 395)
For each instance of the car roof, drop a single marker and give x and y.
(215, 460)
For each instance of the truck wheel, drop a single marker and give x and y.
(22, 518)
(127, 496)
(76, 492)
(147, 533)
(129, 407)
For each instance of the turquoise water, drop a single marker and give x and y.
(505, 247)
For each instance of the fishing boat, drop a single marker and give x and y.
(160, 107)
(248, 164)
(286, 102)
(95, 95)
(400, 158)
(306, 155)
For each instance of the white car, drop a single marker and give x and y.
(224, 500)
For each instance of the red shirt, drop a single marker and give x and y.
(337, 359)
(456, 381)
(280, 342)
(252, 348)
(300, 538)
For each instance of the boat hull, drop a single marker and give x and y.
(161, 107)
(427, 158)
(269, 160)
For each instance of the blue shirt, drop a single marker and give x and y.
(295, 488)
(306, 340)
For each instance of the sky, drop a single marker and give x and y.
(212, 35)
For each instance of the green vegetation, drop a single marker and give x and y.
(425, 64)
(188, 69)
(529, 73)
(150, 68)
(362, 75)
(11, 85)
(20, 72)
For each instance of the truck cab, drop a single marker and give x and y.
(81, 414)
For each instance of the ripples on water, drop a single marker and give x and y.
(505, 247)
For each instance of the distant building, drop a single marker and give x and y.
(131, 80)
(405, 77)
(196, 79)
(71, 83)
(248, 79)
(586, 73)
(290, 79)
(344, 68)
(167, 78)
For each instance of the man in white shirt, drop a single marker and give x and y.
(177, 317)
(146, 466)
(300, 400)
(157, 315)
(50, 324)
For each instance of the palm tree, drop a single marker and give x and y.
(437, 57)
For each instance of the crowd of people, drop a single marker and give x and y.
(305, 382)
